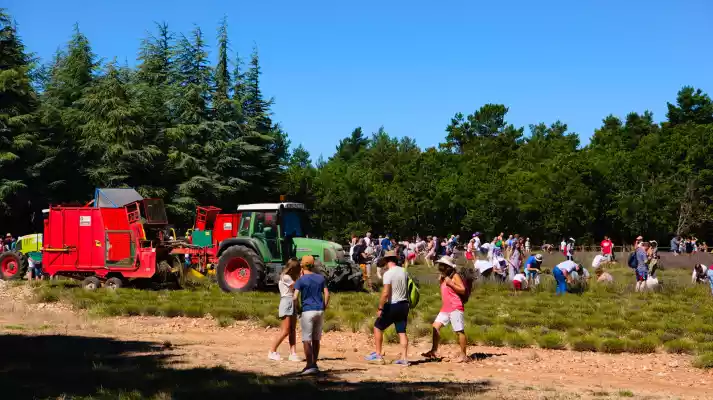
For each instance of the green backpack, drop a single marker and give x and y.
(414, 294)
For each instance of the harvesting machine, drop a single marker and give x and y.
(111, 242)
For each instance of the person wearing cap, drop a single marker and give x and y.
(562, 273)
(452, 288)
(532, 269)
(311, 290)
(7, 242)
(393, 308)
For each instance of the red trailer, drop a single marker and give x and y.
(101, 245)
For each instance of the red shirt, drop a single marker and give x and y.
(606, 246)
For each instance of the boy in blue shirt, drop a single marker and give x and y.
(311, 290)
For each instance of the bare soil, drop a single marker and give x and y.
(185, 344)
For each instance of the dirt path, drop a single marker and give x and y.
(507, 373)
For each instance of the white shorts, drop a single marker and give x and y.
(311, 325)
(455, 318)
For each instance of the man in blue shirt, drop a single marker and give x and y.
(642, 268)
(532, 269)
(311, 291)
(386, 244)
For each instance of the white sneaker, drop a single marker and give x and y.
(295, 357)
(274, 356)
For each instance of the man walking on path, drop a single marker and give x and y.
(393, 309)
(311, 289)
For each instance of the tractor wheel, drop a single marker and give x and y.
(240, 269)
(113, 283)
(13, 265)
(91, 283)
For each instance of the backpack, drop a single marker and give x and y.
(467, 275)
(632, 262)
(414, 294)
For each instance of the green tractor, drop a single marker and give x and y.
(269, 234)
(14, 263)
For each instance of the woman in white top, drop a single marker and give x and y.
(287, 313)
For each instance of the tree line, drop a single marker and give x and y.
(195, 130)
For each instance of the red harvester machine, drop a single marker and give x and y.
(109, 243)
(210, 229)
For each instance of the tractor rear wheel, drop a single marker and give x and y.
(240, 269)
(13, 265)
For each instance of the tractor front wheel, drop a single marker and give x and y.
(13, 265)
(239, 269)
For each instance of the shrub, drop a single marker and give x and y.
(225, 321)
(679, 346)
(517, 340)
(474, 334)
(587, 343)
(551, 341)
(626, 393)
(271, 321)
(171, 310)
(559, 323)
(495, 336)
(667, 336)
(642, 346)
(635, 335)
(704, 360)
(618, 325)
(613, 346)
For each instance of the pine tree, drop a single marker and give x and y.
(221, 93)
(72, 72)
(113, 138)
(19, 156)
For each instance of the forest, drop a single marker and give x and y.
(194, 130)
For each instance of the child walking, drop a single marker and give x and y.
(452, 287)
(287, 313)
(311, 288)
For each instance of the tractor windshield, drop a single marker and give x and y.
(295, 223)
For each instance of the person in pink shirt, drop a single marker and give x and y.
(452, 288)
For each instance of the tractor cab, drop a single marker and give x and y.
(275, 225)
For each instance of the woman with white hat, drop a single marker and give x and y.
(452, 288)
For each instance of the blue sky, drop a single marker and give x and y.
(410, 65)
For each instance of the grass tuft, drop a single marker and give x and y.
(552, 341)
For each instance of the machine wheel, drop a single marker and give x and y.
(91, 283)
(13, 265)
(113, 283)
(240, 269)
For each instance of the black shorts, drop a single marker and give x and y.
(396, 314)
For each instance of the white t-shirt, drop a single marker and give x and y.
(563, 245)
(567, 266)
(285, 286)
(477, 243)
(598, 261)
(397, 278)
(519, 277)
(367, 241)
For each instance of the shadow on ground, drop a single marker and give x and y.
(103, 368)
